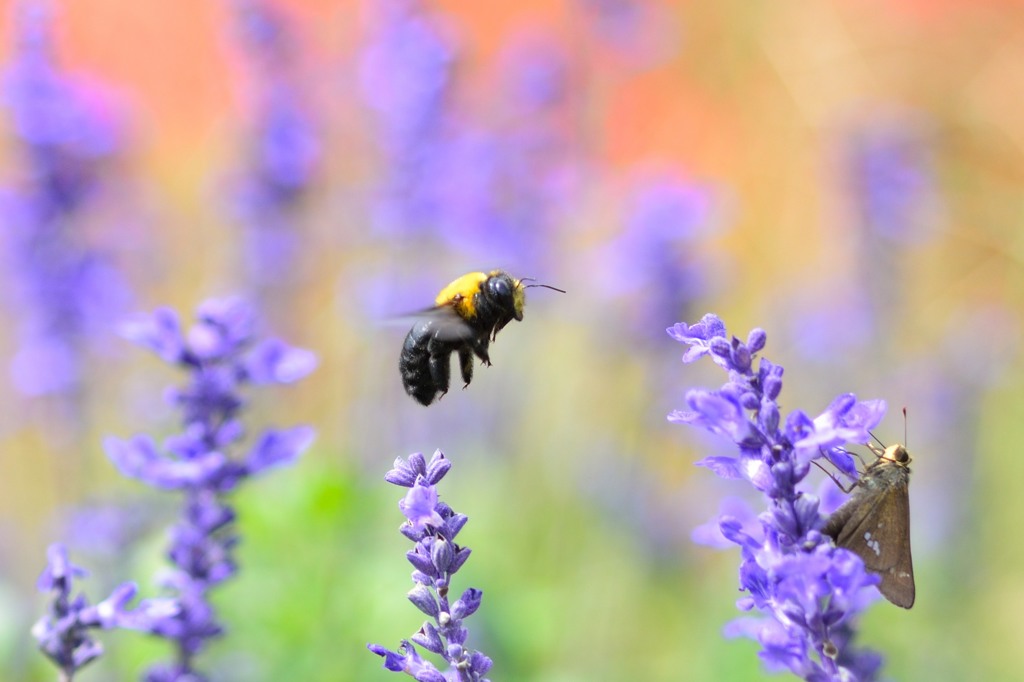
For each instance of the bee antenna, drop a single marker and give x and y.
(534, 279)
(546, 286)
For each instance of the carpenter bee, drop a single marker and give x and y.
(467, 315)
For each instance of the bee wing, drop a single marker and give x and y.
(877, 529)
(445, 323)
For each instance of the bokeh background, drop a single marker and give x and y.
(846, 175)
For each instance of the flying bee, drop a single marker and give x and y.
(467, 315)
(874, 523)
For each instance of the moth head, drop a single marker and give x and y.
(896, 453)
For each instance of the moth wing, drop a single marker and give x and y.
(879, 533)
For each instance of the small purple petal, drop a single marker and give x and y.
(724, 467)
(273, 361)
(734, 531)
(437, 468)
(392, 661)
(423, 599)
(429, 638)
(160, 332)
(843, 461)
(442, 554)
(277, 447)
(467, 604)
(419, 505)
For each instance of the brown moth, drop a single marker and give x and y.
(874, 523)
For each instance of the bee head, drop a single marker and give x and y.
(507, 293)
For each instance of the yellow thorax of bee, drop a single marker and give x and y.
(460, 293)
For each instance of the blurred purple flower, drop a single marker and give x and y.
(105, 530)
(64, 289)
(63, 634)
(536, 76)
(503, 190)
(222, 353)
(406, 72)
(491, 204)
(488, 191)
(892, 181)
(635, 29)
(432, 525)
(828, 322)
(653, 265)
(406, 75)
(284, 149)
(810, 591)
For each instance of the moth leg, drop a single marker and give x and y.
(845, 489)
(466, 364)
(857, 455)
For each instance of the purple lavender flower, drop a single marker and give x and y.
(432, 525)
(63, 634)
(221, 354)
(64, 288)
(283, 150)
(807, 591)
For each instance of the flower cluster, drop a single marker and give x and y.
(221, 353)
(432, 525)
(63, 634)
(810, 590)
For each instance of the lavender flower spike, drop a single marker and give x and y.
(808, 592)
(432, 525)
(221, 354)
(63, 634)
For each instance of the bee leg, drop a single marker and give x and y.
(499, 326)
(466, 365)
(440, 369)
(480, 346)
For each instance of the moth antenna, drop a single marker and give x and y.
(880, 443)
(904, 426)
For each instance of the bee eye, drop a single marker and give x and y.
(500, 287)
